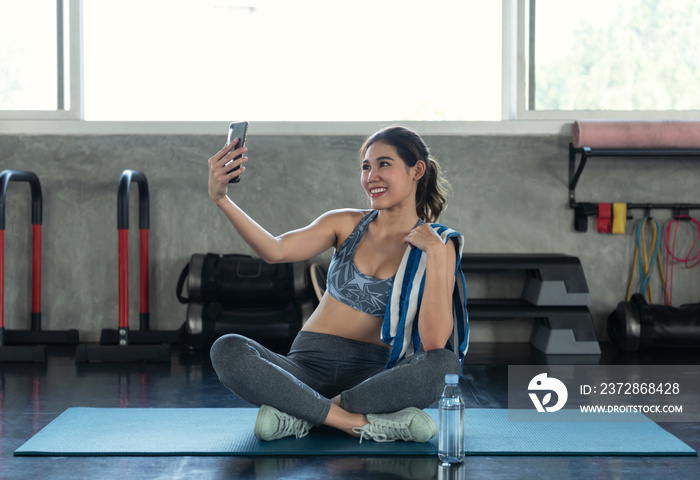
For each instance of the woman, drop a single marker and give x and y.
(356, 364)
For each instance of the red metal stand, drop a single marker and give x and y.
(123, 344)
(27, 345)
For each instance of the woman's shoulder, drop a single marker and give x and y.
(343, 221)
(345, 215)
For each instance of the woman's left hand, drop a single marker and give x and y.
(425, 238)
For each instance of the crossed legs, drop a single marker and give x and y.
(335, 388)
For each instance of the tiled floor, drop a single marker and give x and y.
(31, 396)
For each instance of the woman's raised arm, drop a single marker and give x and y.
(297, 245)
(294, 246)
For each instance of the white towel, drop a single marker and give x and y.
(400, 328)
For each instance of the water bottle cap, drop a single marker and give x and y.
(452, 379)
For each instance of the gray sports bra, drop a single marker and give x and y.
(352, 287)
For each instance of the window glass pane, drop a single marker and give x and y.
(617, 55)
(292, 61)
(28, 55)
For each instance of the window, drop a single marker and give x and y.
(292, 61)
(446, 61)
(614, 55)
(28, 59)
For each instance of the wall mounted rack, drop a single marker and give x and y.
(585, 209)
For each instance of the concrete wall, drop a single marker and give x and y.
(510, 196)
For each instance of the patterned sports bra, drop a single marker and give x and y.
(352, 287)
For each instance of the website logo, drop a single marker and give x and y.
(542, 383)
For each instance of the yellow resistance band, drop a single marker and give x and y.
(619, 219)
(647, 267)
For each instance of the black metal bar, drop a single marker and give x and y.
(641, 152)
(35, 354)
(663, 206)
(586, 152)
(125, 180)
(42, 337)
(141, 337)
(575, 173)
(8, 176)
(132, 353)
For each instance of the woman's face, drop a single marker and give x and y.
(386, 178)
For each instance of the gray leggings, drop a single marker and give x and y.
(320, 367)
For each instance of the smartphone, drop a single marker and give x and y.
(237, 130)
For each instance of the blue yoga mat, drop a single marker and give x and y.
(219, 431)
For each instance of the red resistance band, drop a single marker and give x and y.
(671, 257)
(604, 218)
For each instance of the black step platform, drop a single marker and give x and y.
(555, 293)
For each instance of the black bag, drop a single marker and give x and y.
(636, 325)
(243, 294)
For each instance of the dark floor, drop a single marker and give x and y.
(31, 396)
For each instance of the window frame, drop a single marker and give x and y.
(516, 118)
(70, 57)
(526, 87)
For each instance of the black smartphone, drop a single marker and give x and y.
(237, 130)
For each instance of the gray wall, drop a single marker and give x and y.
(510, 196)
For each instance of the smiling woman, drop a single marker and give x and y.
(392, 322)
(386, 179)
(431, 195)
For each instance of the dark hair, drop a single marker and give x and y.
(432, 193)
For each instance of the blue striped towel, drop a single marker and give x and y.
(399, 328)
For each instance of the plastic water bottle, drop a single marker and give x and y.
(451, 422)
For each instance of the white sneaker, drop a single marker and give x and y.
(271, 424)
(410, 425)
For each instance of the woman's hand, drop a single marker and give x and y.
(435, 320)
(221, 174)
(425, 238)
